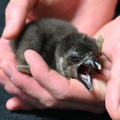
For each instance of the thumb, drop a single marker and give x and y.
(16, 13)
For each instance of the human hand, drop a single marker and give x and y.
(84, 14)
(111, 49)
(83, 99)
(51, 90)
(20, 21)
(6, 53)
(4, 48)
(110, 70)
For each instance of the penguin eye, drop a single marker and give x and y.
(73, 58)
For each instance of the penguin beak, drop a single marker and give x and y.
(85, 69)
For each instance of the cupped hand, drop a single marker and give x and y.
(48, 89)
(111, 49)
(6, 53)
(17, 14)
(52, 84)
(87, 15)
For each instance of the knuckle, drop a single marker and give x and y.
(62, 96)
(21, 85)
(7, 88)
(49, 103)
(11, 90)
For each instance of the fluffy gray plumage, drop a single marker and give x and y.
(65, 50)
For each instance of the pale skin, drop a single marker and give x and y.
(60, 92)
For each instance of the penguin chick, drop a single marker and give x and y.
(72, 54)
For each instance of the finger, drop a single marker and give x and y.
(29, 86)
(5, 48)
(42, 98)
(105, 73)
(59, 86)
(105, 62)
(49, 75)
(3, 78)
(16, 13)
(16, 103)
(106, 66)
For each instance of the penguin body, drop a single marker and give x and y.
(62, 47)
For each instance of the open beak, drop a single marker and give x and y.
(84, 71)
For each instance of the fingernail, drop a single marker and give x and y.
(29, 56)
(8, 29)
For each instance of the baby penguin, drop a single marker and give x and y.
(72, 54)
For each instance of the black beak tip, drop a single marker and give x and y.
(88, 84)
(90, 88)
